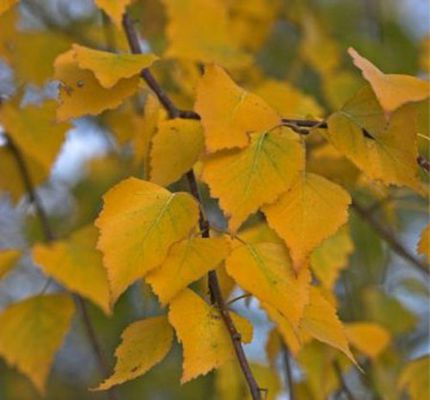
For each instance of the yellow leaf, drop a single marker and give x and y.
(369, 338)
(144, 344)
(194, 41)
(6, 4)
(8, 33)
(265, 270)
(424, 243)
(31, 333)
(114, 8)
(175, 148)
(186, 262)
(389, 154)
(34, 130)
(322, 323)
(416, 379)
(203, 334)
(311, 211)
(11, 181)
(244, 180)
(331, 257)
(77, 264)
(8, 260)
(392, 90)
(138, 224)
(287, 100)
(229, 113)
(110, 68)
(80, 92)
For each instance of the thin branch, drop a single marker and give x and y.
(214, 287)
(342, 383)
(49, 237)
(391, 240)
(288, 371)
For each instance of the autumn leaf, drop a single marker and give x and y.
(175, 148)
(38, 323)
(311, 211)
(415, 378)
(265, 271)
(81, 93)
(8, 260)
(194, 41)
(424, 243)
(144, 344)
(186, 262)
(385, 151)
(76, 264)
(392, 90)
(203, 334)
(369, 338)
(138, 224)
(229, 113)
(110, 68)
(244, 180)
(114, 8)
(6, 4)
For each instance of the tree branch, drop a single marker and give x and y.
(214, 287)
(391, 240)
(49, 237)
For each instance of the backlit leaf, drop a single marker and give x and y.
(144, 344)
(244, 180)
(186, 262)
(77, 264)
(175, 148)
(8, 260)
(392, 90)
(390, 153)
(110, 68)
(203, 334)
(229, 113)
(81, 93)
(311, 211)
(38, 324)
(138, 224)
(265, 271)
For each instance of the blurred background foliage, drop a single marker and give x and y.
(300, 66)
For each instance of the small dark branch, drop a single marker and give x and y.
(423, 163)
(217, 298)
(188, 114)
(303, 123)
(133, 41)
(391, 240)
(49, 237)
(288, 372)
(342, 383)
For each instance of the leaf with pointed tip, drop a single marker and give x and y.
(229, 113)
(138, 224)
(110, 68)
(203, 334)
(392, 90)
(311, 211)
(264, 270)
(31, 333)
(81, 93)
(77, 264)
(186, 262)
(175, 148)
(385, 151)
(144, 344)
(244, 180)
(8, 260)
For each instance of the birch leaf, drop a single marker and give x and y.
(138, 224)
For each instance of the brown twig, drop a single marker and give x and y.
(214, 287)
(49, 237)
(391, 240)
(288, 372)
